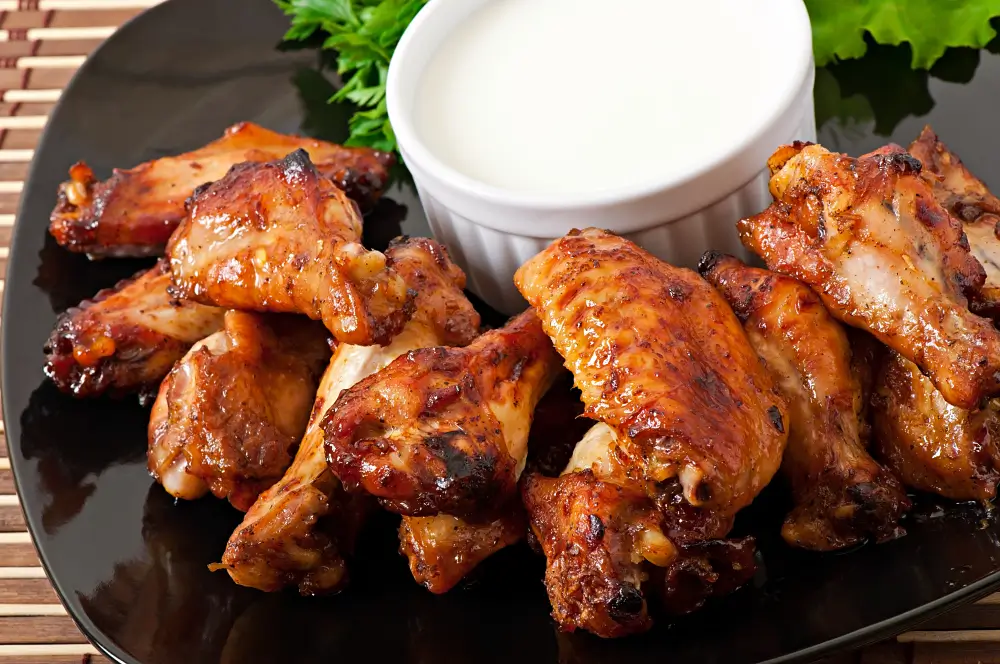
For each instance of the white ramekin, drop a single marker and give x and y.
(491, 231)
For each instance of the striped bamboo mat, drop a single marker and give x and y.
(42, 43)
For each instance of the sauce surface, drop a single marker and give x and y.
(577, 96)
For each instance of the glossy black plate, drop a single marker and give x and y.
(130, 564)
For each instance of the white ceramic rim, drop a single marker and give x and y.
(417, 152)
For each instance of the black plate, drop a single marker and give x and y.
(130, 565)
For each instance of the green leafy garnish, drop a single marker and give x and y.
(364, 33)
(930, 27)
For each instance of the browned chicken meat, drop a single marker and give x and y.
(231, 413)
(694, 428)
(445, 430)
(930, 444)
(660, 357)
(298, 531)
(868, 235)
(279, 237)
(126, 338)
(610, 550)
(133, 212)
(842, 496)
(967, 198)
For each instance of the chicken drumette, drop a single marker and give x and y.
(695, 429)
(841, 494)
(280, 237)
(230, 414)
(133, 212)
(126, 338)
(298, 532)
(869, 237)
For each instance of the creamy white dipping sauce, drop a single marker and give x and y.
(578, 96)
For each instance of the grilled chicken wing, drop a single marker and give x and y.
(231, 413)
(134, 212)
(841, 494)
(298, 531)
(126, 338)
(967, 198)
(608, 547)
(930, 444)
(660, 357)
(869, 237)
(279, 237)
(445, 430)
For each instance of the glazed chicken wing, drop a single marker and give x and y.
(841, 494)
(126, 338)
(279, 237)
(966, 198)
(445, 430)
(930, 444)
(231, 413)
(134, 212)
(868, 236)
(609, 549)
(660, 357)
(298, 531)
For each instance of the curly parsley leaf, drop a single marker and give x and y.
(364, 34)
(929, 26)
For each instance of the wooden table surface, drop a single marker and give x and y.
(42, 43)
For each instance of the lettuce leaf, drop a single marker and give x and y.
(929, 26)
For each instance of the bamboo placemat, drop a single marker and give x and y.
(42, 43)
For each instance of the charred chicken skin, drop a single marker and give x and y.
(841, 494)
(930, 444)
(230, 414)
(299, 531)
(127, 338)
(660, 357)
(279, 237)
(444, 430)
(134, 212)
(610, 549)
(869, 237)
(966, 198)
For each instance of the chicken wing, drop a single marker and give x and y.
(445, 430)
(126, 338)
(967, 198)
(279, 237)
(841, 494)
(298, 531)
(230, 414)
(660, 357)
(134, 212)
(930, 444)
(869, 237)
(609, 548)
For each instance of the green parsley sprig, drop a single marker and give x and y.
(364, 33)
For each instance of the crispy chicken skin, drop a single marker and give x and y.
(841, 494)
(230, 414)
(608, 547)
(442, 549)
(660, 357)
(279, 237)
(134, 212)
(126, 338)
(930, 444)
(444, 430)
(966, 198)
(298, 531)
(869, 237)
